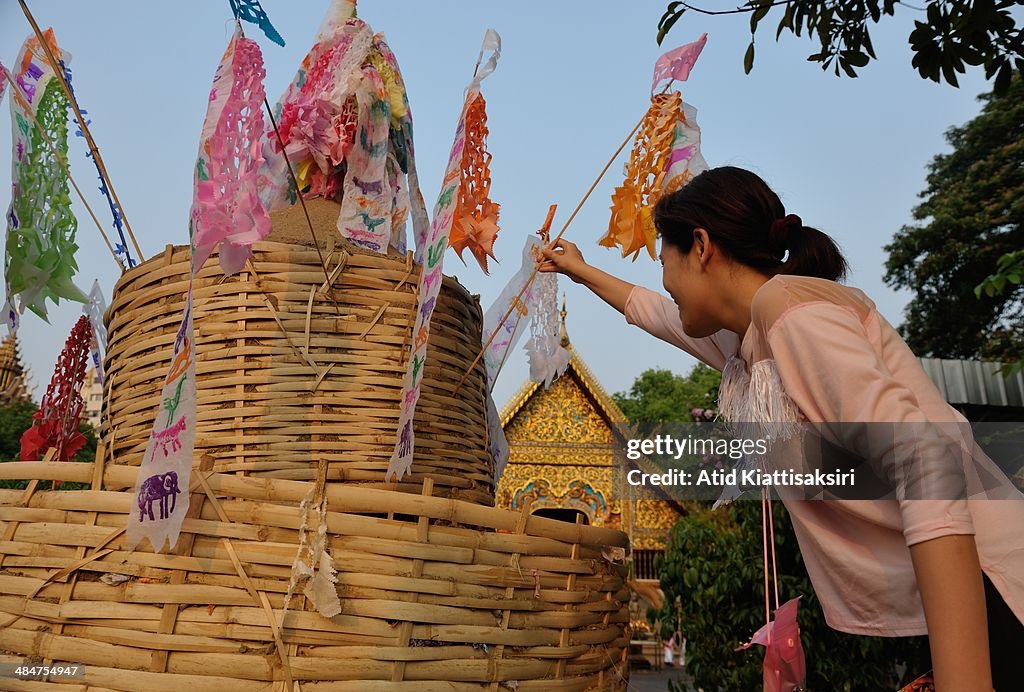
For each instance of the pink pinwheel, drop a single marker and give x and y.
(784, 667)
(307, 131)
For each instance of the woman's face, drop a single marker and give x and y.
(685, 277)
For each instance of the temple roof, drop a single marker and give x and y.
(607, 408)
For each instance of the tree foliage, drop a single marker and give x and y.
(952, 36)
(15, 419)
(971, 216)
(1009, 273)
(661, 396)
(714, 566)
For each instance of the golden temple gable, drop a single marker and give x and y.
(564, 443)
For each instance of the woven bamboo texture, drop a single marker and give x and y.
(435, 593)
(290, 370)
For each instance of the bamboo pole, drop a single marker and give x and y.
(302, 200)
(351, 499)
(59, 75)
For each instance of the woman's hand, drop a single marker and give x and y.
(565, 258)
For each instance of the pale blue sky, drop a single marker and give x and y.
(849, 156)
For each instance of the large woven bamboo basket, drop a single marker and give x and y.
(290, 370)
(435, 593)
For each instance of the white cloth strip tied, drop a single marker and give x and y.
(95, 309)
(548, 358)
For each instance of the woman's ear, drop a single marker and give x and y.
(702, 245)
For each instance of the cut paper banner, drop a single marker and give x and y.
(228, 213)
(55, 424)
(476, 216)
(685, 161)
(501, 345)
(516, 324)
(632, 222)
(9, 314)
(784, 668)
(665, 156)
(251, 11)
(497, 443)
(94, 310)
(346, 127)
(41, 227)
(677, 63)
(548, 358)
(430, 276)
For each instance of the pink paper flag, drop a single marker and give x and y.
(226, 209)
(677, 63)
(784, 668)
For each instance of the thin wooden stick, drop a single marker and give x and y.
(298, 192)
(16, 93)
(59, 74)
(545, 233)
(302, 200)
(550, 245)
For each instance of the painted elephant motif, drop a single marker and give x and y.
(161, 487)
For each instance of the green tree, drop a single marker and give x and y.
(954, 34)
(15, 419)
(972, 214)
(714, 566)
(1009, 273)
(661, 396)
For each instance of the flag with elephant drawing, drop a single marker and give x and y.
(226, 216)
(161, 490)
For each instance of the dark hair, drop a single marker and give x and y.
(746, 219)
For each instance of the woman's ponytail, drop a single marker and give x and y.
(809, 252)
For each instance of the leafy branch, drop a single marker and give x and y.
(957, 34)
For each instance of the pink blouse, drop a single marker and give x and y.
(837, 359)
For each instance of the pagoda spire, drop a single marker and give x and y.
(13, 374)
(565, 334)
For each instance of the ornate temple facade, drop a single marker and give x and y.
(565, 443)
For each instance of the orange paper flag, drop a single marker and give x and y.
(632, 223)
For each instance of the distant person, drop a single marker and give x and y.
(754, 293)
(681, 640)
(669, 649)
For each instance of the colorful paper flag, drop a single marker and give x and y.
(430, 276)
